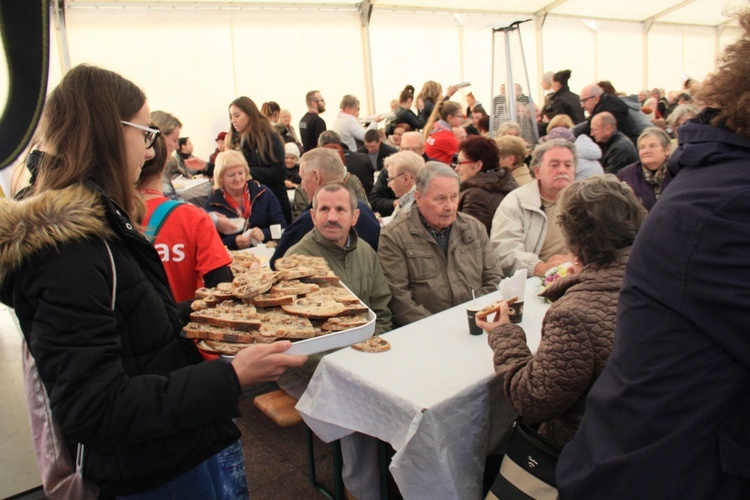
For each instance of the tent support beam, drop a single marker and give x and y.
(539, 23)
(61, 33)
(365, 13)
(645, 52)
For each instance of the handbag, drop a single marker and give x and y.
(528, 468)
(62, 478)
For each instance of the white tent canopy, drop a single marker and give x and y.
(193, 58)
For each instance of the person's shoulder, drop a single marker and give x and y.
(305, 246)
(470, 222)
(388, 149)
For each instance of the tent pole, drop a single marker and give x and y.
(365, 12)
(645, 52)
(539, 22)
(58, 17)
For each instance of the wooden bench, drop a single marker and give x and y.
(280, 407)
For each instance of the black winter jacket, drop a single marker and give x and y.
(121, 382)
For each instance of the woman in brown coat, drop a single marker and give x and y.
(484, 183)
(550, 386)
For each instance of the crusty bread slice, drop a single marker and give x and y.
(294, 287)
(229, 314)
(373, 344)
(297, 273)
(271, 299)
(340, 323)
(340, 294)
(296, 260)
(323, 276)
(219, 347)
(315, 306)
(277, 324)
(202, 331)
(253, 283)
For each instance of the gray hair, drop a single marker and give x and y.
(547, 77)
(539, 152)
(328, 137)
(660, 135)
(414, 134)
(349, 101)
(431, 170)
(327, 162)
(332, 187)
(406, 162)
(681, 113)
(506, 126)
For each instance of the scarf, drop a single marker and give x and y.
(656, 178)
(244, 211)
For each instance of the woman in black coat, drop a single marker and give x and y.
(563, 101)
(96, 311)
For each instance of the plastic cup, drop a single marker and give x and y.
(275, 231)
(471, 313)
(515, 312)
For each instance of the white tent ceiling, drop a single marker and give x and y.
(691, 12)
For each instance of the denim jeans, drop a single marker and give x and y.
(233, 478)
(202, 482)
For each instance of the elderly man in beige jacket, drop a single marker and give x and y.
(434, 256)
(525, 233)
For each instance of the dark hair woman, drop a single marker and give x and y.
(563, 101)
(404, 114)
(550, 386)
(484, 183)
(96, 311)
(252, 134)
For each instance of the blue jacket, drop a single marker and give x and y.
(669, 417)
(266, 211)
(367, 227)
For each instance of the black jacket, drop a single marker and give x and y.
(407, 116)
(384, 152)
(620, 111)
(381, 196)
(565, 102)
(122, 383)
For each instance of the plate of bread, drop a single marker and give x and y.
(302, 301)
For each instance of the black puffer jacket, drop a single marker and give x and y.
(120, 382)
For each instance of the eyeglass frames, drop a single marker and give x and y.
(583, 101)
(149, 137)
(395, 177)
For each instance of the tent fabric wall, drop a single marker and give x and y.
(194, 61)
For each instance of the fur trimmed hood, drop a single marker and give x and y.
(47, 220)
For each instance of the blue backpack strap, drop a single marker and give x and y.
(158, 217)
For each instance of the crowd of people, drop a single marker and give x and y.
(417, 216)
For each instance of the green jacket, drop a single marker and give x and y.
(358, 267)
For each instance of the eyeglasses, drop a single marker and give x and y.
(583, 101)
(395, 177)
(464, 162)
(149, 137)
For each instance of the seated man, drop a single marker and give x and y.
(376, 149)
(334, 213)
(434, 256)
(317, 167)
(402, 174)
(617, 150)
(525, 233)
(382, 199)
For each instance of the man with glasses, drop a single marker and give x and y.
(382, 198)
(402, 170)
(595, 101)
(312, 125)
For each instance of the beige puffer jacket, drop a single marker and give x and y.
(551, 386)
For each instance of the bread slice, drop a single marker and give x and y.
(294, 287)
(219, 347)
(315, 306)
(253, 283)
(341, 323)
(373, 344)
(271, 299)
(276, 324)
(229, 314)
(202, 331)
(323, 276)
(340, 294)
(296, 260)
(297, 273)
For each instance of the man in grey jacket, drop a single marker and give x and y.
(434, 257)
(525, 233)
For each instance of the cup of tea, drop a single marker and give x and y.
(515, 311)
(471, 314)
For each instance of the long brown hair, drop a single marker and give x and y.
(259, 132)
(442, 110)
(81, 133)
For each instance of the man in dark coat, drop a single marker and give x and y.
(595, 101)
(668, 417)
(376, 149)
(617, 150)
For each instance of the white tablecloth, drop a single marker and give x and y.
(428, 397)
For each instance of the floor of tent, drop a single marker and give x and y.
(275, 458)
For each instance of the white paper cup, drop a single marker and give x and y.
(275, 231)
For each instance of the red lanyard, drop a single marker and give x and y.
(247, 209)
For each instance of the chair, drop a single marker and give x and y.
(279, 407)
